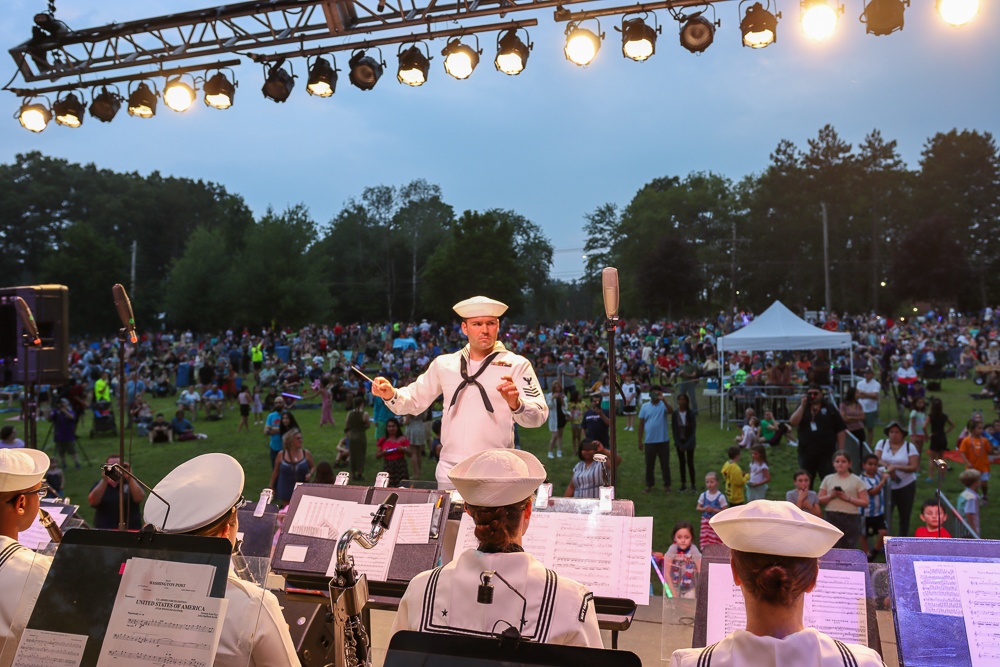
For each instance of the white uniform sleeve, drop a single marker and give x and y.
(273, 645)
(418, 396)
(534, 412)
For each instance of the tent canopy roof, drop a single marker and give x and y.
(778, 328)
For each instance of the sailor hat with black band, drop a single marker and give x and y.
(21, 468)
(479, 306)
(497, 477)
(199, 492)
(775, 527)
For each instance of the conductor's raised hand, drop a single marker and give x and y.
(508, 390)
(382, 388)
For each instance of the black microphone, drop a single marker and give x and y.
(124, 307)
(27, 320)
(609, 282)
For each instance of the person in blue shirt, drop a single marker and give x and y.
(654, 436)
(213, 400)
(272, 428)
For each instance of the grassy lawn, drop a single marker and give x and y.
(151, 463)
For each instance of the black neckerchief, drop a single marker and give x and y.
(505, 549)
(466, 380)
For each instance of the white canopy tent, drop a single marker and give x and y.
(777, 328)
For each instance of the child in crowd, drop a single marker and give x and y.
(975, 450)
(684, 560)
(933, 516)
(843, 494)
(244, 398)
(875, 479)
(748, 436)
(257, 406)
(760, 474)
(343, 459)
(802, 496)
(735, 478)
(969, 499)
(710, 502)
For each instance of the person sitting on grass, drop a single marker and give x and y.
(182, 428)
(160, 430)
(213, 399)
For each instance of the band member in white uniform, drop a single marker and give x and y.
(204, 495)
(775, 561)
(498, 487)
(486, 388)
(21, 571)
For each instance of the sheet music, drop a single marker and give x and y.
(41, 648)
(414, 523)
(163, 616)
(36, 537)
(320, 517)
(979, 590)
(837, 606)
(372, 562)
(593, 549)
(937, 587)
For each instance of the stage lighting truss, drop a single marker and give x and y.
(34, 116)
(278, 83)
(178, 95)
(638, 37)
(512, 52)
(697, 31)
(819, 18)
(759, 26)
(414, 65)
(68, 110)
(105, 105)
(460, 60)
(957, 12)
(582, 44)
(322, 77)
(142, 101)
(365, 71)
(220, 91)
(883, 17)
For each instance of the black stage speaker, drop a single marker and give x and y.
(48, 364)
(312, 633)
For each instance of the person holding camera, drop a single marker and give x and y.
(103, 497)
(843, 494)
(821, 432)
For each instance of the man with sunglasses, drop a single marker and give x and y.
(821, 433)
(21, 572)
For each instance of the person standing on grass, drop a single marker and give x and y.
(654, 437)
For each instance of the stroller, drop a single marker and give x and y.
(104, 419)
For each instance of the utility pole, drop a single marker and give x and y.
(826, 259)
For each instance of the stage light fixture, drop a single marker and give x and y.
(414, 66)
(697, 32)
(884, 17)
(34, 116)
(759, 27)
(638, 39)
(219, 92)
(278, 83)
(512, 53)
(105, 105)
(460, 60)
(957, 12)
(322, 78)
(365, 71)
(582, 45)
(142, 102)
(68, 110)
(819, 18)
(178, 95)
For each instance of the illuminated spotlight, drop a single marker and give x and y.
(69, 110)
(460, 60)
(322, 79)
(582, 45)
(759, 27)
(142, 102)
(105, 105)
(512, 53)
(279, 83)
(638, 39)
(365, 70)
(34, 117)
(178, 95)
(957, 12)
(819, 19)
(697, 33)
(413, 66)
(219, 92)
(883, 17)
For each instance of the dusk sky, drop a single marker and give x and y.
(556, 141)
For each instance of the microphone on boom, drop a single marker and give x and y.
(124, 307)
(27, 320)
(609, 282)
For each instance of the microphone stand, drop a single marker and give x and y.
(122, 335)
(29, 412)
(611, 324)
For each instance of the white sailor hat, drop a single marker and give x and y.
(480, 306)
(198, 491)
(775, 527)
(497, 477)
(21, 468)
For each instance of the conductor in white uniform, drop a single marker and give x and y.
(204, 495)
(498, 486)
(487, 389)
(21, 571)
(775, 561)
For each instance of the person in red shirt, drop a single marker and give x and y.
(933, 515)
(975, 449)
